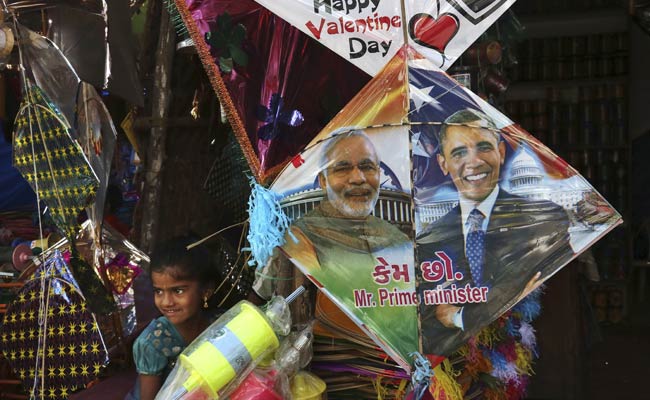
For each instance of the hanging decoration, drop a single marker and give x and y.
(227, 40)
(58, 171)
(43, 61)
(497, 362)
(96, 135)
(276, 119)
(353, 365)
(255, 60)
(369, 33)
(49, 334)
(121, 273)
(66, 176)
(51, 161)
(121, 263)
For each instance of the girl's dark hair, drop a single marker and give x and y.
(173, 257)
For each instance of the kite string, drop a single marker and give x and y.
(21, 68)
(210, 236)
(43, 299)
(240, 274)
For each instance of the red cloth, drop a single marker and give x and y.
(118, 225)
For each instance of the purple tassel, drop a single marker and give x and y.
(501, 368)
(528, 339)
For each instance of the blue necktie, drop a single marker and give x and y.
(475, 245)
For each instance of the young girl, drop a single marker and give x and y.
(183, 281)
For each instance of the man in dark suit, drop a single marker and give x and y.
(501, 246)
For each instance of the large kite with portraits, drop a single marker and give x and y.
(424, 213)
(419, 210)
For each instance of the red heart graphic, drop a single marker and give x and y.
(433, 33)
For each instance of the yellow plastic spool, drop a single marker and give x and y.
(42, 244)
(245, 338)
(307, 386)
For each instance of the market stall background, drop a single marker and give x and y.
(179, 213)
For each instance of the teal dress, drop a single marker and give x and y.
(155, 351)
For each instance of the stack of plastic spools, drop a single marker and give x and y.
(222, 361)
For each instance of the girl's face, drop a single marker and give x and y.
(177, 299)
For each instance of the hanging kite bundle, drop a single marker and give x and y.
(63, 143)
(50, 335)
(53, 164)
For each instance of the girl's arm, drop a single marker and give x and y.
(149, 386)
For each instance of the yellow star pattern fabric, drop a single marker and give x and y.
(72, 345)
(49, 159)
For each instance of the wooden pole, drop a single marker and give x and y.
(155, 155)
